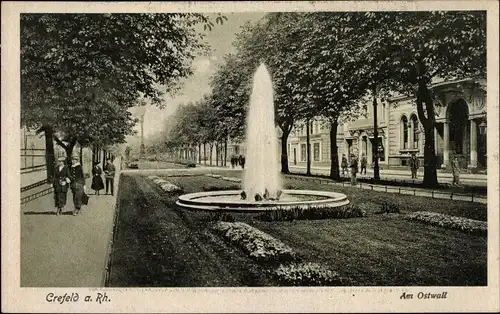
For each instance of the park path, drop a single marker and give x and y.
(67, 250)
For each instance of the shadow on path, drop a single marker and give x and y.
(68, 213)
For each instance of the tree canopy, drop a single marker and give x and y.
(81, 72)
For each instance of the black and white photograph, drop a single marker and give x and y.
(170, 148)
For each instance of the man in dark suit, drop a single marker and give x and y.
(109, 174)
(60, 183)
(414, 164)
(242, 161)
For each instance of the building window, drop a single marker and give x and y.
(316, 151)
(303, 154)
(404, 132)
(414, 125)
(316, 127)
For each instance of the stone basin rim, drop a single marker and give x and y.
(196, 199)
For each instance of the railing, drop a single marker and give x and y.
(39, 194)
(34, 185)
(32, 159)
(401, 190)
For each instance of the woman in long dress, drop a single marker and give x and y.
(60, 183)
(77, 184)
(97, 182)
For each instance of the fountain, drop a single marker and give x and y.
(261, 172)
(262, 188)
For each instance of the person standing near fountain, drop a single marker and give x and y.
(344, 164)
(241, 161)
(354, 168)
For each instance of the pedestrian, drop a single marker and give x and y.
(77, 184)
(455, 169)
(414, 164)
(363, 163)
(344, 164)
(109, 174)
(60, 184)
(242, 161)
(233, 161)
(97, 182)
(354, 169)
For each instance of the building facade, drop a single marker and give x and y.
(460, 117)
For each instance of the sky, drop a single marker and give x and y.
(220, 39)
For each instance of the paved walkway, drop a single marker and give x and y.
(67, 250)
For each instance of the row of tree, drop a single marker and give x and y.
(80, 73)
(328, 64)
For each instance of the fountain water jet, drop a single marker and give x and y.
(261, 184)
(261, 171)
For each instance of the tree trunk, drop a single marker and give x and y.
(81, 155)
(216, 153)
(225, 152)
(284, 152)
(376, 170)
(334, 156)
(308, 149)
(211, 152)
(49, 152)
(424, 97)
(430, 171)
(69, 151)
(199, 153)
(205, 153)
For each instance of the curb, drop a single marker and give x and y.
(109, 251)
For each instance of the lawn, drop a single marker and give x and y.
(174, 247)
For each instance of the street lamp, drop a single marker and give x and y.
(482, 127)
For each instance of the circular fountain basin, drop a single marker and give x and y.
(231, 201)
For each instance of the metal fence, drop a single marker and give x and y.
(36, 195)
(32, 159)
(470, 197)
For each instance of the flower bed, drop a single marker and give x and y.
(343, 212)
(159, 180)
(169, 187)
(211, 175)
(165, 185)
(308, 274)
(231, 179)
(259, 245)
(450, 222)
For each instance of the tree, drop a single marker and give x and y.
(273, 41)
(71, 60)
(332, 72)
(422, 47)
(230, 96)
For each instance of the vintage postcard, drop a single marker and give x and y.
(250, 157)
